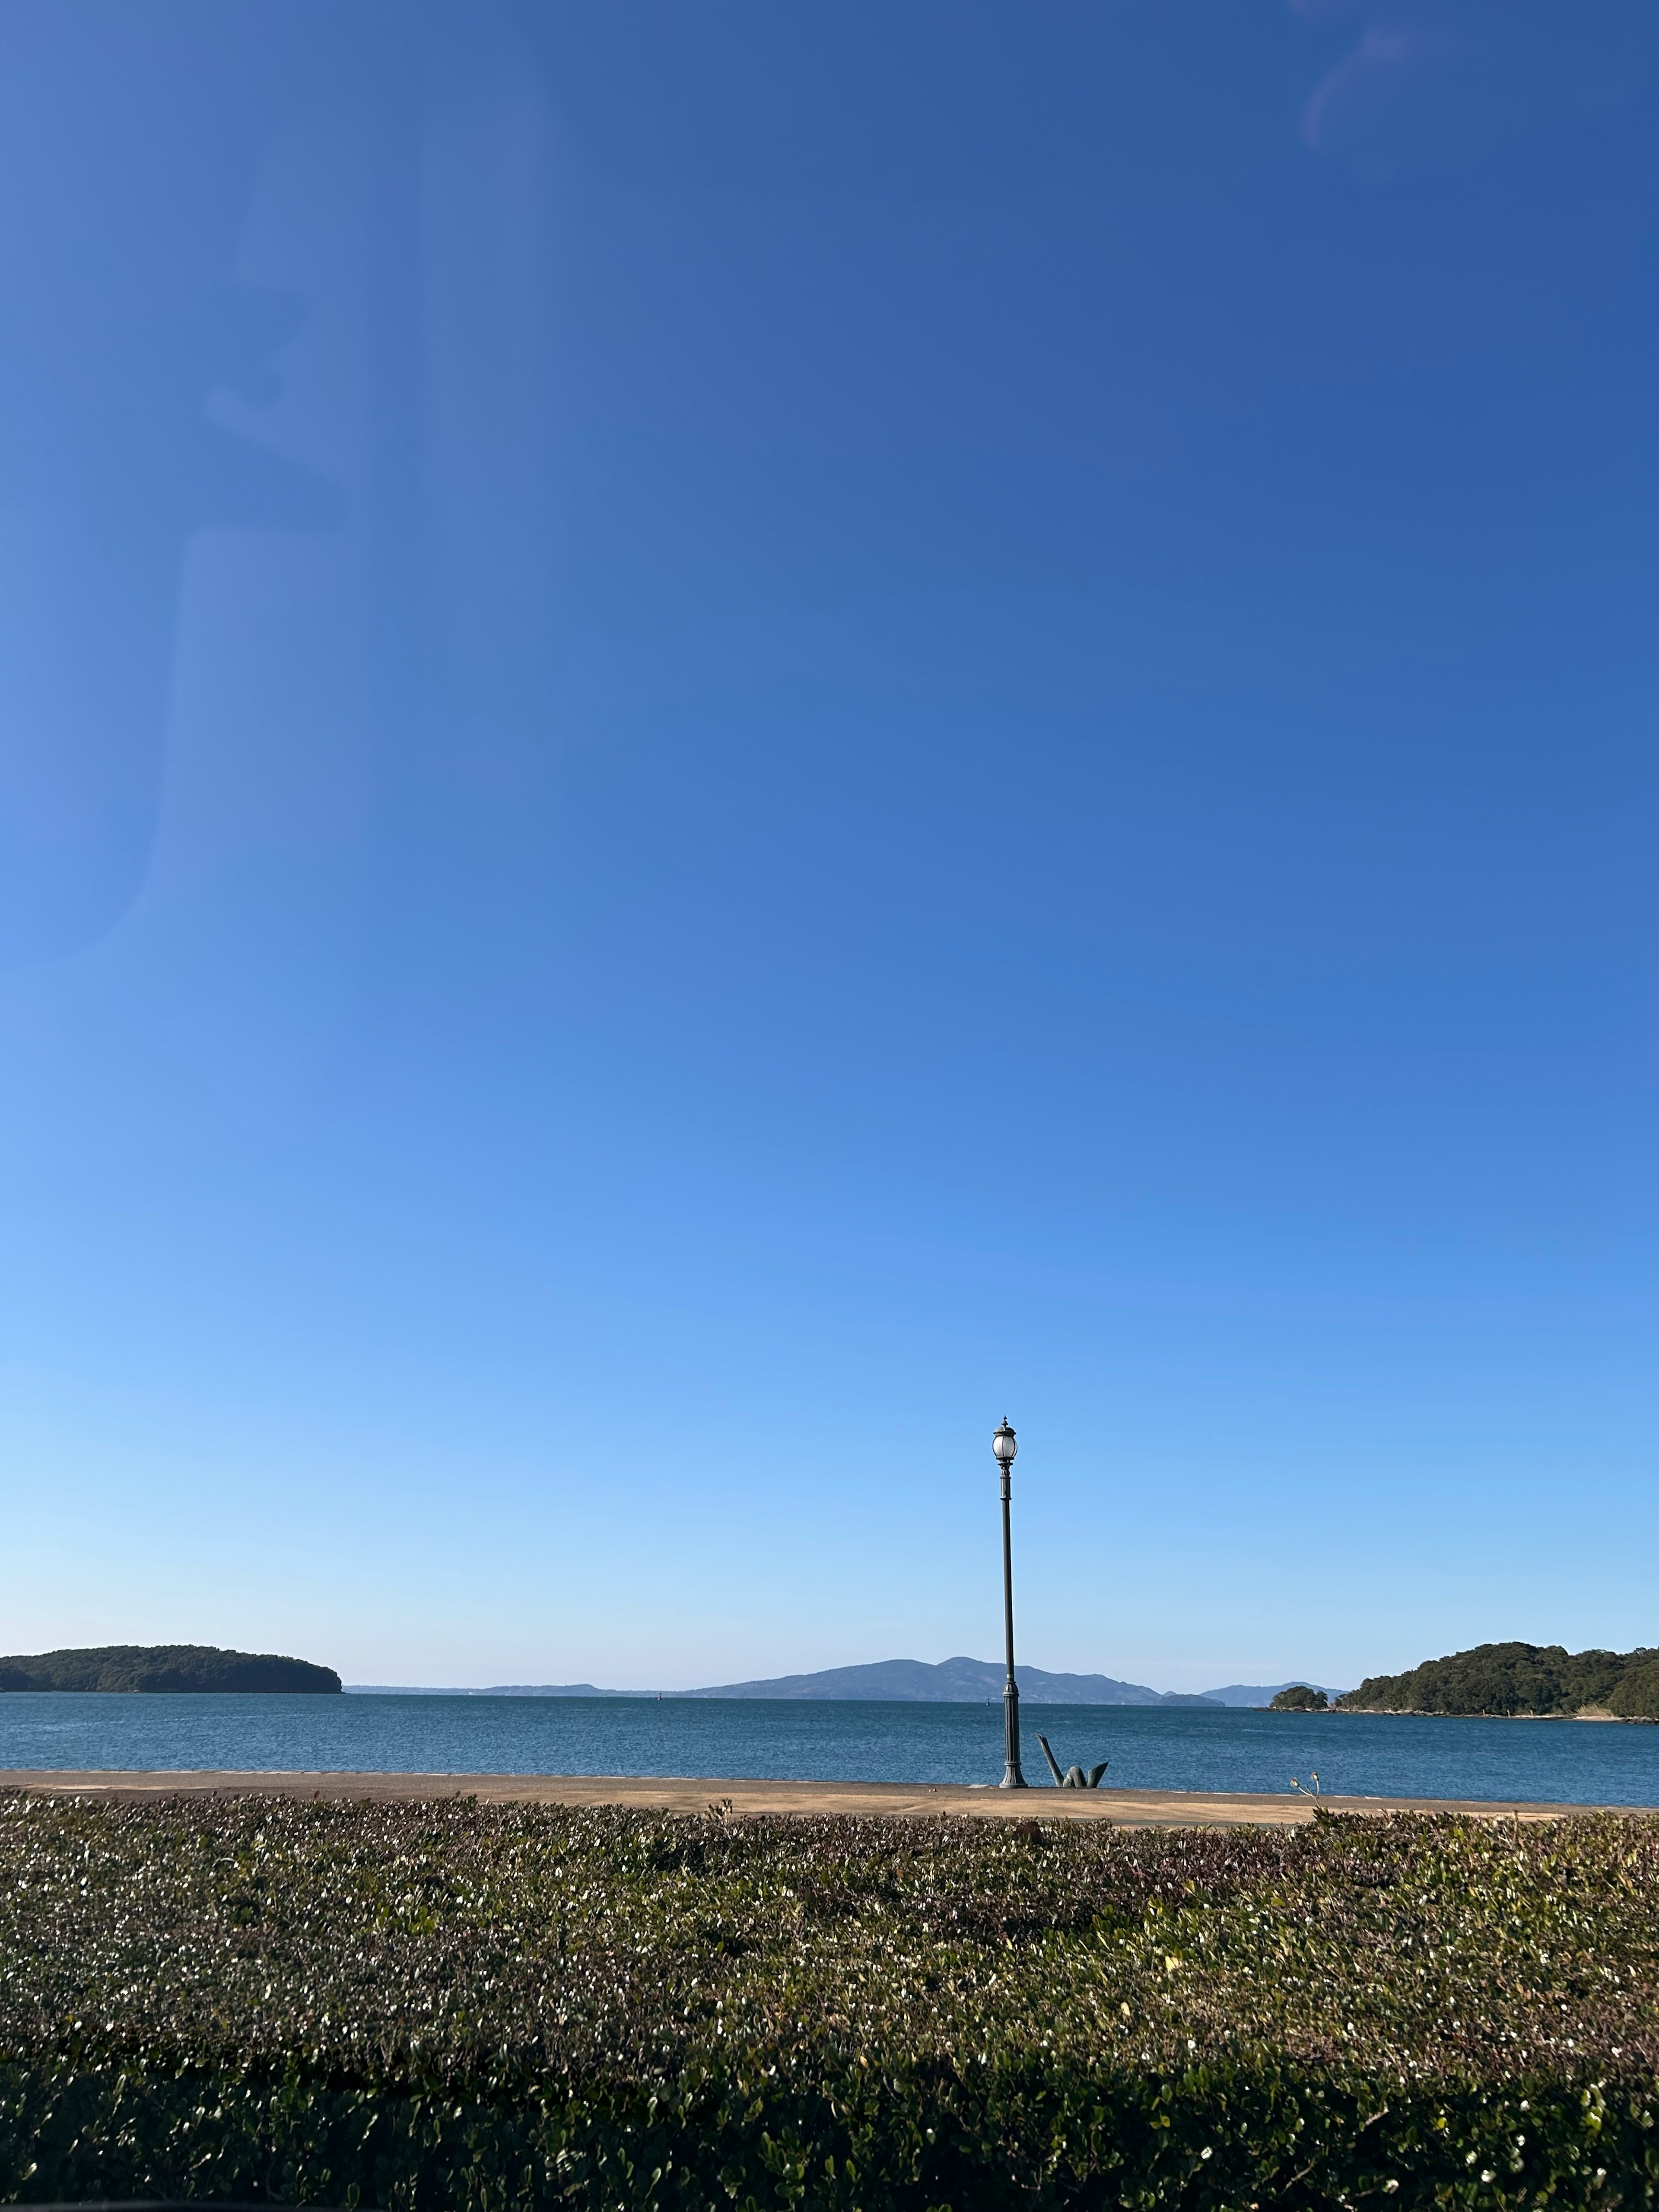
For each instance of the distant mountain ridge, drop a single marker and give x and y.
(179, 1669)
(496, 1690)
(1250, 1695)
(960, 1682)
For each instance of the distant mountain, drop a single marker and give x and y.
(887, 1681)
(953, 1682)
(1260, 1693)
(180, 1669)
(499, 1690)
(1516, 1679)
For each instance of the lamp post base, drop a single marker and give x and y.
(1013, 1778)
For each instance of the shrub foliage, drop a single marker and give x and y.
(448, 2004)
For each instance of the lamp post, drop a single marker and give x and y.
(1003, 1445)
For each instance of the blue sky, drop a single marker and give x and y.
(732, 735)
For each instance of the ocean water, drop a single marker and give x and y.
(1162, 1748)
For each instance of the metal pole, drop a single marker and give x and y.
(1012, 1776)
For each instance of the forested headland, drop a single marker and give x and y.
(1517, 1680)
(181, 1669)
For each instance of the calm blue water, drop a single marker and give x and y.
(1574, 1762)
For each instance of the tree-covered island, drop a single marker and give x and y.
(1517, 1680)
(1300, 1697)
(181, 1668)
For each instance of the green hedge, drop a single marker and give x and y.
(1209, 2137)
(445, 2004)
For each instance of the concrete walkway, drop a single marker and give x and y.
(1139, 1809)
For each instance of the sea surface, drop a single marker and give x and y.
(1159, 1747)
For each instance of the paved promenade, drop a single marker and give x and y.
(1139, 1809)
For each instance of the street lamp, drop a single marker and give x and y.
(1003, 1445)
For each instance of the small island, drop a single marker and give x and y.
(1518, 1681)
(179, 1670)
(1300, 1697)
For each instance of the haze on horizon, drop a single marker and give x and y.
(732, 737)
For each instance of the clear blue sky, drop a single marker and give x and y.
(732, 734)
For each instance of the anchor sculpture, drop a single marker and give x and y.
(1073, 1778)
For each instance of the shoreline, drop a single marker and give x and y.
(610, 1698)
(1415, 1713)
(741, 1796)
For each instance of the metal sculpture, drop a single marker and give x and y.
(1073, 1778)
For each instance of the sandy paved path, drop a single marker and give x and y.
(1161, 1808)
